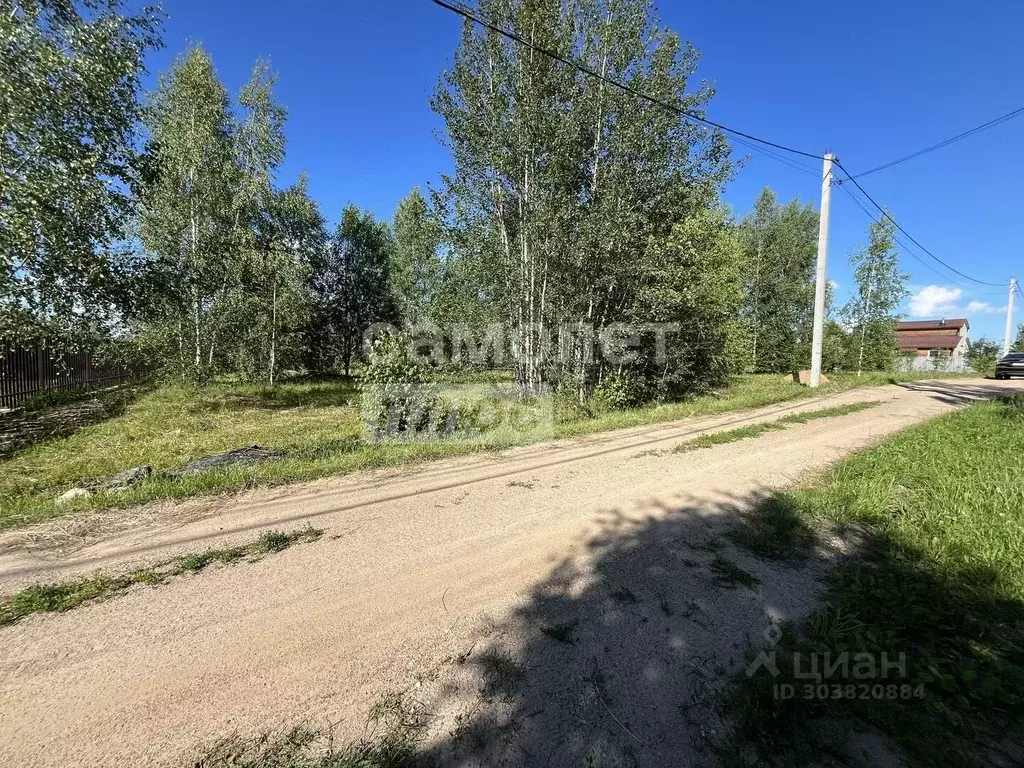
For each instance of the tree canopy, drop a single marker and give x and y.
(69, 103)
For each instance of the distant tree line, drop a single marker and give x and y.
(572, 211)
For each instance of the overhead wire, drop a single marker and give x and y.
(946, 142)
(741, 136)
(910, 237)
(906, 248)
(468, 15)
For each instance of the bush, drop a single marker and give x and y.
(618, 390)
(983, 355)
(53, 398)
(397, 399)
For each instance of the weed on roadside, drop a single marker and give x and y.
(829, 413)
(562, 633)
(392, 733)
(776, 529)
(63, 596)
(728, 436)
(501, 673)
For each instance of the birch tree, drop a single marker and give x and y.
(779, 249)
(872, 313)
(416, 261)
(561, 183)
(246, 308)
(188, 222)
(69, 105)
(300, 241)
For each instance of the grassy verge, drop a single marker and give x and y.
(63, 596)
(316, 424)
(756, 430)
(939, 580)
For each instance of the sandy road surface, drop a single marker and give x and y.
(416, 565)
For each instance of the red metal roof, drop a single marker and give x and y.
(926, 341)
(952, 323)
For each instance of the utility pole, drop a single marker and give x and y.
(1009, 317)
(818, 336)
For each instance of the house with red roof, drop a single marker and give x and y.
(945, 339)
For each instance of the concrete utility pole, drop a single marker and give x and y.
(818, 336)
(1007, 340)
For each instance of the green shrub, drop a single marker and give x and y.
(397, 399)
(618, 390)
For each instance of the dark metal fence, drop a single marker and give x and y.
(28, 371)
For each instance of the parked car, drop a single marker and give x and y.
(1010, 365)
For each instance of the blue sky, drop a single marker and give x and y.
(871, 81)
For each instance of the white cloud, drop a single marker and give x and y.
(984, 308)
(934, 300)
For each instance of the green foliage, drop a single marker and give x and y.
(565, 192)
(779, 246)
(69, 82)
(834, 347)
(395, 399)
(416, 268)
(1018, 342)
(872, 312)
(351, 290)
(188, 213)
(618, 390)
(983, 354)
(691, 279)
(229, 257)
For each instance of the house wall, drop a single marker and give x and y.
(962, 331)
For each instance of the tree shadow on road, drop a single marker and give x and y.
(633, 650)
(616, 657)
(954, 392)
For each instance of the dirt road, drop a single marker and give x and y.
(423, 578)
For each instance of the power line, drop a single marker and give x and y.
(466, 14)
(977, 129)
(910, 237)
(906, 248)
(795, 164)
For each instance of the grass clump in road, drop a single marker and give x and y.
(828, 413)
(63, 596)
(939, 579)
(756, 430)
(712, 439)
(317, 425)
(393, 733)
